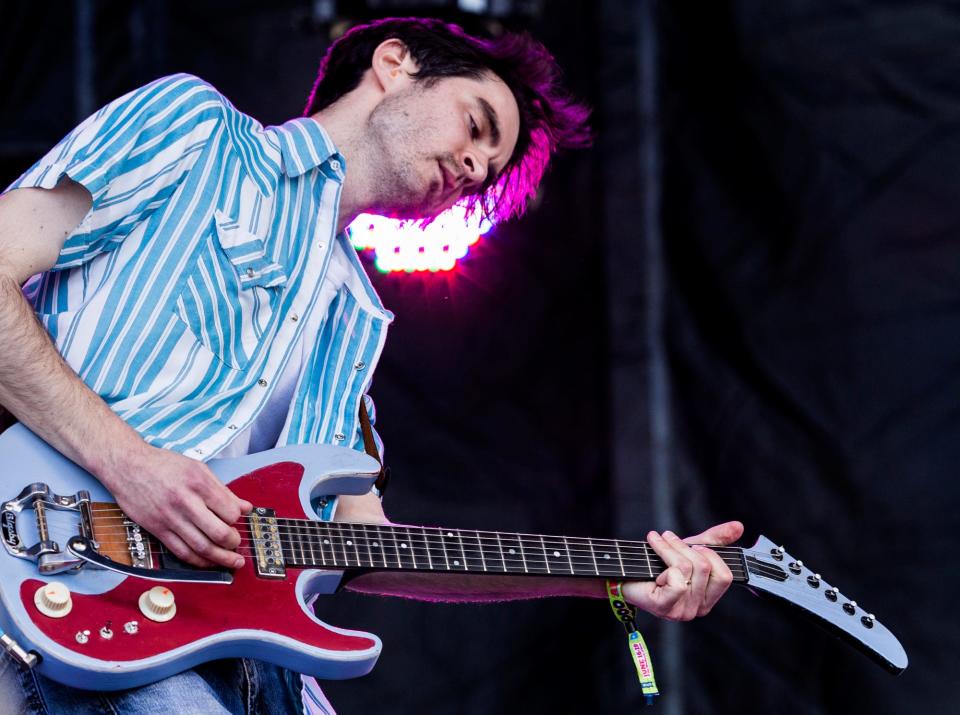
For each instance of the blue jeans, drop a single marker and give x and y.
(234, 686)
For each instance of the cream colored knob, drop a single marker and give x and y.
(53, 599)
(158, 604)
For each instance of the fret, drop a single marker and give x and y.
(500, 548)
(311, 533)
(418, 554)
(546, 559)
(393, 543)
(593, 557)
(646, 554)
(338, 539)
(463, 554)
(534, 560)
(326, 546)
(603, 557)
(483, 561)
(377, 545)
(298, 540)
(458, 563)
(406, 552)
(557, 555)
(443, 544)
(356, 542)
(435, 550)
(367, 540)
(513, 553)
(426, 546)
(566, 545)
(616, 545)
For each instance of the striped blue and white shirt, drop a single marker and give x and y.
(181, 296)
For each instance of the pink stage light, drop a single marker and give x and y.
(406, 246)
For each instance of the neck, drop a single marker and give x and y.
(344, 122)
(310, 544)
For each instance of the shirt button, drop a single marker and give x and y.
(250, 273)
(339, 436)
(231, 426)
(335, 165)
(294, 317)
(262, 382)
(360, 365)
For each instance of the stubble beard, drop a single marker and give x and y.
(391, 155)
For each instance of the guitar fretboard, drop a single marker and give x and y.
(333, 545)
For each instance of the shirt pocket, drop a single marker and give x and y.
(231, 298)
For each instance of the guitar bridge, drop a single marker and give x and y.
(268, 561)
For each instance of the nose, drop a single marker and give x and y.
(475, 168)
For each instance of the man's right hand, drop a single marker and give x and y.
(181, 502)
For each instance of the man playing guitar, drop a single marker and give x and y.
(175, 284)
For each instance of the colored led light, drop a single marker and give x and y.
(406, 246)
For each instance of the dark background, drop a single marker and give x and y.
(741, 303)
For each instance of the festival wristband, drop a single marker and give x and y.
(627, 615)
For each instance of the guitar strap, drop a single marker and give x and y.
(370, 447)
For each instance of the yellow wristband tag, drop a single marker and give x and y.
(627, 614)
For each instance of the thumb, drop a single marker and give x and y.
(719, 535)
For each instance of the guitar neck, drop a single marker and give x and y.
(311, 544)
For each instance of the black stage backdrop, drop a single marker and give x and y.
(751, 279)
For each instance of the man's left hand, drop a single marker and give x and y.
(695, 578)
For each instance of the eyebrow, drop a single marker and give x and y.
(491, 118)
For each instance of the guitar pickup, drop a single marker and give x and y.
(268, 556)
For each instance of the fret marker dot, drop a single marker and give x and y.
(376, 544)
(349, 543)
(456, 563)
(450, 534)
(403, 546)
(512, 551)
(557, 554)
(606, 556)
(326, 541)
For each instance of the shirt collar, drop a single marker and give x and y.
(305, 145)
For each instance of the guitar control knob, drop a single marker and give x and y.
(158, 604)
(53, 599)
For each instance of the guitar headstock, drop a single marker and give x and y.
(772, 571)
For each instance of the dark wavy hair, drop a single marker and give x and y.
(550, 118)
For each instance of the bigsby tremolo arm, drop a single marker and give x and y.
(46, 552)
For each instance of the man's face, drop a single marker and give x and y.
(428, 146)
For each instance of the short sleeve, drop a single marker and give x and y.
(130, 155)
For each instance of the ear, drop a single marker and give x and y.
(393, 66)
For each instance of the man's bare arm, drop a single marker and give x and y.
(178, 499)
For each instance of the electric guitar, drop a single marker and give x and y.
(92, 600)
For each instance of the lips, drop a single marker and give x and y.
(449, 180)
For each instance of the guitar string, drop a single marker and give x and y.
(308, 527)
(291, 547)
(624, 548)
(312, 529)
(313, 523)
(638, 569)
(321, 529)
